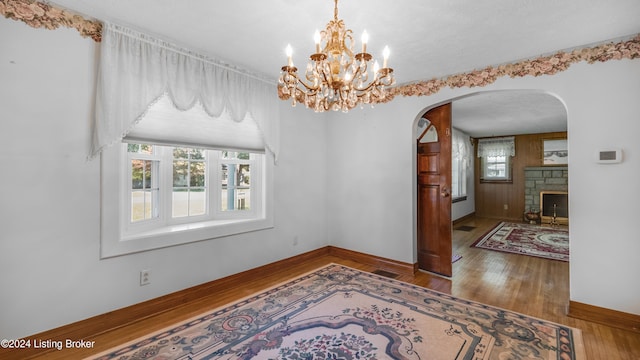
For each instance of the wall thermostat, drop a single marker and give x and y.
(609, 156)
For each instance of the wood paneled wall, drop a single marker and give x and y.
(492, 197)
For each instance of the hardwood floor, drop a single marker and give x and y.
(532, 286)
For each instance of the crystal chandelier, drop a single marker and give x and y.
(335, 78)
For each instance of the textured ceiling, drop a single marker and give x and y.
(428, 38)
(498, 113)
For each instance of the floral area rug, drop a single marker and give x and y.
(527, 239)
(338, 312)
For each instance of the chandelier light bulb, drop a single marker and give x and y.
(365, 40)
(385, 53)
(289, 51)
(316, 38)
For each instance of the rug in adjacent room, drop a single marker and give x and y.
(338, 312)
(528, 239)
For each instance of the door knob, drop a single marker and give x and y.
(444, 192)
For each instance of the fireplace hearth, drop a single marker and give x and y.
(553, 180)
(554, 207)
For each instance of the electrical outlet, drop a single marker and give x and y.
(506, 206)
(145, 277)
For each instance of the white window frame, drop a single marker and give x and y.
(484, 162)
(119, 236)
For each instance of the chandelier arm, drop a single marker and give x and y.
(387, 78)
(365, 77)
(325, 105)
(308, 87)
(366, 88)
(313, 77)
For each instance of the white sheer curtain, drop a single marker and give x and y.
(503, 146)
(461, 152)
(460, 147)
(137, 71)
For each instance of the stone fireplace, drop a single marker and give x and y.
(553, 180)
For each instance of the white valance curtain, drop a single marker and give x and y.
(138, 72)
(503, 146)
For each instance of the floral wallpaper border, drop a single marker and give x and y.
(545, 65)
(42, 15)
(37, 14)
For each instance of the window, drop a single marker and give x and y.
(173, 195)
(176, 185)
(495, 159)
(496, 168)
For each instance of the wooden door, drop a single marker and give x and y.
(434, 194)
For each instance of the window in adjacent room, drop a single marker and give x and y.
(495, 156)
(460, 154)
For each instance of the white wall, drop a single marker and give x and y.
(50, 270)
(370, 192)
(372, 202)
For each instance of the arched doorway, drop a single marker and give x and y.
(486, 114)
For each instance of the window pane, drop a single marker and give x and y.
(137, 206)
(197, 154)
(197, 173)
(149, 204)
(189, 182)
(235, 187)
(238, 199)
(180, 173)
(197, 202)
(180, 203)
(140, 148)
(144, 189)
(235, 155)
(137, 174)
(180, 153)
(189, 202)
(496, 168)
(147, 174)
